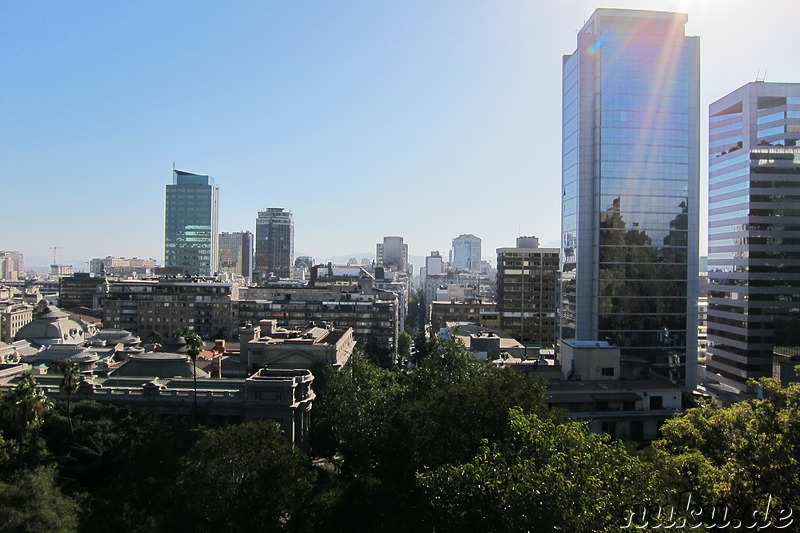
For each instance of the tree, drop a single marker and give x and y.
(543, 476)
(740, 453)
(391, 425)
(194, 346)
(242, 478)
(404, 341)
(24, 408)
(69, 384)
(31, 502)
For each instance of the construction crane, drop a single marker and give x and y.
(55, 248)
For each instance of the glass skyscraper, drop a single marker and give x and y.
(753, 230)
(630, 188)
(190, 233)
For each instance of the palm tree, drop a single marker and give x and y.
(194, 345)
(25, 406)
(69, 384)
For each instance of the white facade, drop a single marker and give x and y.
(467, 253)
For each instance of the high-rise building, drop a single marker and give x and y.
(236, 253)
(274, 242)
(467, 253)
(12, 265)
(630, 188)
(392, 253)
(527, 282)
(190, 233)
(753, 230)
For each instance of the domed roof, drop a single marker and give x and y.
(160, 364)
(51, 326)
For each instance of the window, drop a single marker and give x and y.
(607, 371)
(656, 402)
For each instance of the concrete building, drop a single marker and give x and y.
(269, 346)
(82, 289)
(467, 253)
(12, 265)
(372, 313)
(13, 316)
(236, 254)
(614, 394)
(274, 243)
(282, 395)
(630, 188)
(434, 264)
(154, 309)
(302, 267)
(392, 253)
(190, 230)
(753, 222)
(452, 311)
(121, 267)
(527, 283)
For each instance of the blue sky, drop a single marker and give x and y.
(425, 119)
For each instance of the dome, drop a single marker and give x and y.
(51, 325)
(162, 365)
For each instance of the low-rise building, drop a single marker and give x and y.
(13, 316)
(269, 346)
(458, 311)
(282, 395)
(372, 313)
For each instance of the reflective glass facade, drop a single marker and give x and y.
(630, 188)
(753, 230)
(190, 233)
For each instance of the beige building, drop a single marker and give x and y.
(527, 280)
(13, 316)
(269, 346)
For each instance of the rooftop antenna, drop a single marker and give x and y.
(55, 248)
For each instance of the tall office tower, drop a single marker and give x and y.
(527, 282)
(274, 242)
(12, 265)
(630, 188)
(236, 253)
(753, 229)
(467, 253)
(393, 254)
(190, 233)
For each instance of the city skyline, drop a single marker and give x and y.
(316, 108)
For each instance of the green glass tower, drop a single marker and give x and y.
(190, 230)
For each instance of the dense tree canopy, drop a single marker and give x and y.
(450, 445)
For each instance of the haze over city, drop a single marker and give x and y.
(425, 120)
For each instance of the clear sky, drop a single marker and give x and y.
(420, 118)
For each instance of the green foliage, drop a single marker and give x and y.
(404, 341)
(69, 384)
(194, 343)
(242, 478)
(739, 453)
(542, 476)
(31, 502)
(392, 424)
(23, 410)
